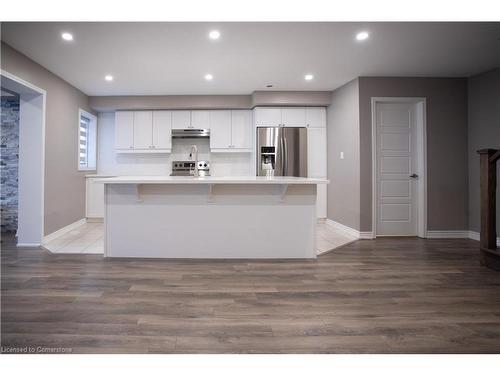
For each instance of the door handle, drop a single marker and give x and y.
(414, 175)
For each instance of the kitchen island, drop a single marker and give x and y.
(210, 217)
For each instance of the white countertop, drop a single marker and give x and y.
(257, 180)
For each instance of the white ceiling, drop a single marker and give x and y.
(172, 58)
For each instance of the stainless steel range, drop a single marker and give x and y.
(187, 168)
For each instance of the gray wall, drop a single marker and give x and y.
(64, 186)
(257, 98)
(447, 186)
(291, 98)
(484, 132)
(343, 135)
(112, 103)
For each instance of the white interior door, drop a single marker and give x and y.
(397, 159)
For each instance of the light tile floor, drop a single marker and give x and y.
(89, 239)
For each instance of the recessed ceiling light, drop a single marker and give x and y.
(308, 77)
(209, 77)
(363, 35)
(67, 36)
(214, 34)
(108, 78)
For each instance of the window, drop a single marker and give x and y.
(87, 141)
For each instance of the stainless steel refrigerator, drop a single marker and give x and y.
(281, 151)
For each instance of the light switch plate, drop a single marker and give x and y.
(341, 154)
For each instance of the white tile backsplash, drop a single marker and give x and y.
(111, 163)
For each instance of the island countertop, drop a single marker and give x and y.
(250, 180)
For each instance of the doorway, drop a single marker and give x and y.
(31, 160)
(399, 166)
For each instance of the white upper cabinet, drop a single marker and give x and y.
(181, 119)
(316, 117)
(241, 129)
(293, 117)
(290, 116)
(267, 116)
(220, 129)
(162, 130)
(124, 130)
(231, 131)
(200, 119)
(143, 133)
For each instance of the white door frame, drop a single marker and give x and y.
(421, 159)
(43, 93)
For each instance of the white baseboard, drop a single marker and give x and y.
(366, 236)
(28, 244)
(350, 231)
(475, 236)
(447, 234)
(95, 220)
(60, 232)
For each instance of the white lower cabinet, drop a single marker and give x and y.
(321, 202)
(94, 199)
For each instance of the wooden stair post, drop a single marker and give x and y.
(490, 255)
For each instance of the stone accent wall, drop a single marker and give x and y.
(9, 162)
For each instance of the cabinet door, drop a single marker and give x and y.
(181, 119)
(220, 130)
(124, 130)
(316, 152)
(143, 130)
(293, 116)
(95, 198)
(241, 129)
(267, 116)
(200, 119)
(162, 130)
(316, 117)
(321, 201)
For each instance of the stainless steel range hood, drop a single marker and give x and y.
(190, 133)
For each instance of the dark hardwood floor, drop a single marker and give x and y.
(382, 296)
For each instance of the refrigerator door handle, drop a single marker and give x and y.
(281, 155)
(285, 158)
